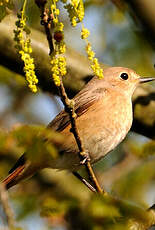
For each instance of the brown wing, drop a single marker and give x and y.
(83, 100)
(62, 120)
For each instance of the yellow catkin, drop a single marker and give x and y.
(58, 61)
(91, 55)
(75, 11)
(84, 33)
(24, 49)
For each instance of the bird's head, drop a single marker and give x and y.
(123, 79)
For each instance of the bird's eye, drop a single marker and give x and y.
(124, 76)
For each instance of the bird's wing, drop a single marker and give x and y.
(83, 101)
(62, 120)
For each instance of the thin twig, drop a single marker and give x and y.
(69, 104)
(46, 20)
(6, 207)
(83, 154)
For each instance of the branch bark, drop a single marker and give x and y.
(144, 111)
(78, 68)
(145, 11)
(6, 207)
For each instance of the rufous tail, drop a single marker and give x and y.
(13, 177)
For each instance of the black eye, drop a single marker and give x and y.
(124, 76)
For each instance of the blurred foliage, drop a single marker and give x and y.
(32, 140)
(148, 149)
(143, 150)
(62, 201)
(98, 212)
(138, 180)
(12, 80)
(5, 5)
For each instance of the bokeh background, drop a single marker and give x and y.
(120, 35)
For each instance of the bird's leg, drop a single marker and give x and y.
(86, 161)
(84, 181)
(85, 157)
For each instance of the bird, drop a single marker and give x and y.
(104, 117)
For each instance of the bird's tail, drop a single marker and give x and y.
(14, 177)
(22, 169)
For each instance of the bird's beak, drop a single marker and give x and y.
(146, 79)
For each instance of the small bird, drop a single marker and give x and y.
(104, 117)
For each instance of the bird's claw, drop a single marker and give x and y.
(85, 158)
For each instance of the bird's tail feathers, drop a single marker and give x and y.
(13, 177)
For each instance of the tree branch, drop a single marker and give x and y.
(144, 111)
(145, 11)
(7, 209)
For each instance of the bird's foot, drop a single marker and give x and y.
(85, 157)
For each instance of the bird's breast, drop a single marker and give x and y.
(102, 127)
(108, 125)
